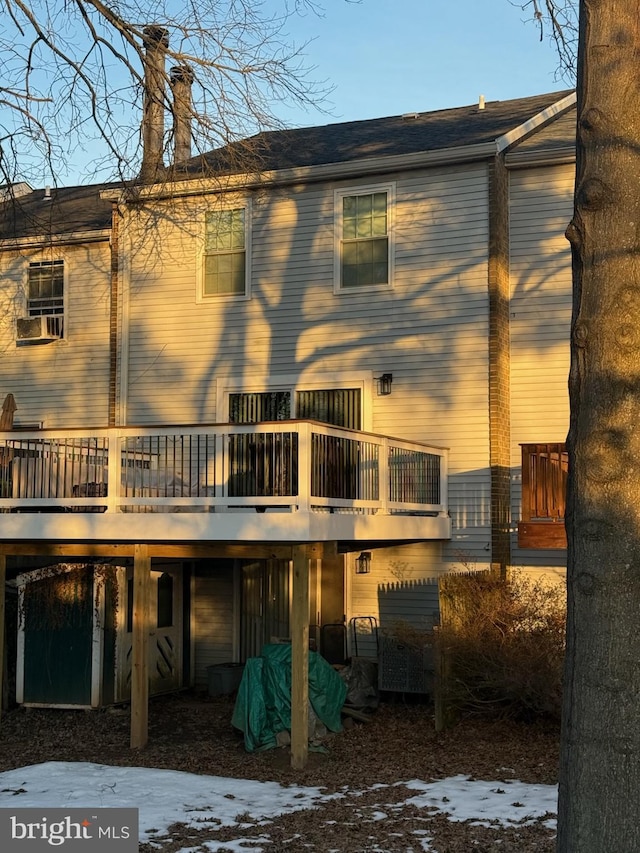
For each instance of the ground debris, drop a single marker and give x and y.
(362, 767)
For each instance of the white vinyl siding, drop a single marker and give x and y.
(429, 330)
(64, 384)
(540, 267)
(213, 617)
(402, 586)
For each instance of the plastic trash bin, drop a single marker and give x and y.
(224, 678)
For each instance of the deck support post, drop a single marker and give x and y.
(300, 658)
(3, 577)
(140, 649)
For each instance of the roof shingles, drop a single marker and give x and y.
(73, 209)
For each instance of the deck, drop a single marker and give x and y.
(286, 481)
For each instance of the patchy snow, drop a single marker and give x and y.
(462, 798)
(165, 797)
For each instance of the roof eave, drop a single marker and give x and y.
(535, 122)
(34, 241)
(309, 174)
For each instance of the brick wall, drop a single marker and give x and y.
(499, 404)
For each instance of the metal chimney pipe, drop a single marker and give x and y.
(156, 42)
(181, 77)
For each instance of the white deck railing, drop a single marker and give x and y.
(290, 465)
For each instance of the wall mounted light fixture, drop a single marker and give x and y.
(384, 384)
(363, 563)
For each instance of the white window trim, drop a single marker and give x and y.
(40, 259)
(390, 190)
(289, 382)
(201, 297)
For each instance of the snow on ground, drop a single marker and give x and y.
(507, 802)
(165, 797)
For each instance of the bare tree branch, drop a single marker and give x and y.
(558, 21)
(72, 76)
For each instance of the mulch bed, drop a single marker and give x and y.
(194, 734)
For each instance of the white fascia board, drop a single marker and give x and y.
(308, 174)
(101, 236)
(535, 121)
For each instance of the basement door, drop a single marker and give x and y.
(165, 633)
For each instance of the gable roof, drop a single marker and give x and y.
(64, 211)
(556, 137)
(70, 210)
(395, 135)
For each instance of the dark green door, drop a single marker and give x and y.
(58, 632)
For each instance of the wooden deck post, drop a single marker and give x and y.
(3, 577)
(140, 649)
(300, 658)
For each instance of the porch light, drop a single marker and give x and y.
(384, 384)
(363, 563)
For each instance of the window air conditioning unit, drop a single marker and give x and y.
(45, 328)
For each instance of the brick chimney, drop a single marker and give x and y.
(181, 77)
(156, 42)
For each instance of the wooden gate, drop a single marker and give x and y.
(165, 633)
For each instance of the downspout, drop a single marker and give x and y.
(113, 314)
(124, 320)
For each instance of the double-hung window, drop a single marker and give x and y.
(45, 297)
(364, 247)
(45, 288)
(225, 264)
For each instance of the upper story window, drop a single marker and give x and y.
(45, 304)
(225, 264)
(364, 245)
(45, 288)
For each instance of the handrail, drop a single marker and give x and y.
(299, 464)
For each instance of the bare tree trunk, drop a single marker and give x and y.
(599, 808)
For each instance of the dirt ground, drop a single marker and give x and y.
(194, 734)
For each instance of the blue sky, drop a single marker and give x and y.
(380, 57)
(386, 58)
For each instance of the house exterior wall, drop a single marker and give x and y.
(474, 331)
(541, 207)
(212, 618)
(402, 587)
(429, 330)
(62, 383)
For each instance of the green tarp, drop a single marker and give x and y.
(263, 704)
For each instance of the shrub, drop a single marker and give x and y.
(501, 646)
